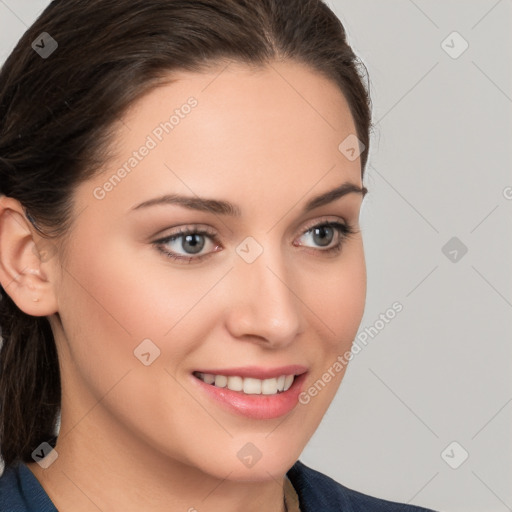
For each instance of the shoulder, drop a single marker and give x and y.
(317, 491)
(20, 491)
(10, 490)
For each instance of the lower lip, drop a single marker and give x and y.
(258, 407)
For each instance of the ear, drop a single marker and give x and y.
(25, 261)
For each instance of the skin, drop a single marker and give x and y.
(136, 437)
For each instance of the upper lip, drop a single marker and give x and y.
(257, 372)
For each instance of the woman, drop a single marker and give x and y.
(180, 254)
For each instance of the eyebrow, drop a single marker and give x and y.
(220, 207)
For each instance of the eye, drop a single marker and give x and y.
(327, 233)
(190, 240)
(188, 243)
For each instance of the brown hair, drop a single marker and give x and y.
(56, 123)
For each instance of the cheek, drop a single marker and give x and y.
(338, 304)
(338, 299)
(352, 292)
(112, 301)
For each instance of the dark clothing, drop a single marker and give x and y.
(20, 491)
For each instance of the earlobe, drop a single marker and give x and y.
(25, 274)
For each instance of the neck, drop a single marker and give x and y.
(95, 470)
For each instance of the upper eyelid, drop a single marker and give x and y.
(193, 228)
(323, 220)
(186, 229)
(202, 230)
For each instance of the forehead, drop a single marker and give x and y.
(234, 130)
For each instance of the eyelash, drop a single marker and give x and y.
(345, 231)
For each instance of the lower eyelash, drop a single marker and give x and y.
(345, 232)
(160, 243)
(186, 259)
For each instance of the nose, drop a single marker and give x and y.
(263, 305)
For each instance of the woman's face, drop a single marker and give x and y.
(259, 293)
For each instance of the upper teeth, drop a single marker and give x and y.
(248, 385)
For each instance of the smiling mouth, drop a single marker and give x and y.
(248, 385)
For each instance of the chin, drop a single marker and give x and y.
(245, 460)
(263, 458)
(262, 471)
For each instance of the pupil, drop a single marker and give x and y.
(322, 230)
(196, 247)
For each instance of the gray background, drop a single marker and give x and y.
(439, 372)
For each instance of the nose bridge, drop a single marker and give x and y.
(263, 303)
